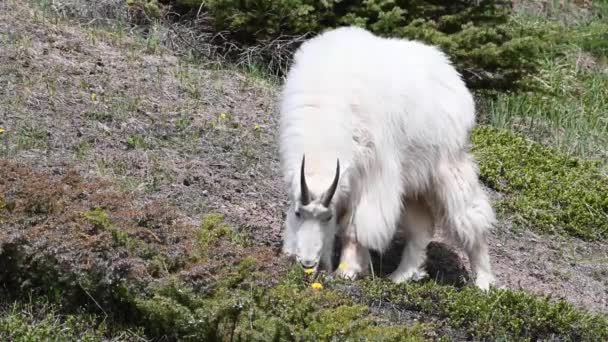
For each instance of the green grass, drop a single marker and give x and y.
(545, 190)
(137, 141)
(567, 104)
(565, 107)
(32, 137)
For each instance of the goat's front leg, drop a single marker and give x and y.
(326, 260)
(418, 227)
(354, 257)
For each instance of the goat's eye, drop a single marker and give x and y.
(297, 214)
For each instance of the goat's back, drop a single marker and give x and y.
(350, 94)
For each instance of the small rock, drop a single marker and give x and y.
(103, 127)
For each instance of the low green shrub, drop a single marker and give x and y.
(544, 189)
(213, 228)
(45, 322)
(503, 315)
(291, 310)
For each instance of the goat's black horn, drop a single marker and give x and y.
(334, 185)
(305, 197)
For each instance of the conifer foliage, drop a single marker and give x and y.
(472, 32)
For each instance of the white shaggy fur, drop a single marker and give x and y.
(397, 116)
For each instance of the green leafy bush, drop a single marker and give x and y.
(474, 33)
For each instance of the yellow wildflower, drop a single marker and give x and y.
(94, 97)
(309, 270)
(256, 127)
(316, 286)
(2, 131)
(342, 266)
(222, 115)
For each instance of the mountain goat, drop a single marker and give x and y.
(373, 142)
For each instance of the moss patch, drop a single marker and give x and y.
(545, 190)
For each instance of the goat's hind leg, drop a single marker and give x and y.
(417, 225)
(467, 214)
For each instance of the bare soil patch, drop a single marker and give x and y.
(108, 105)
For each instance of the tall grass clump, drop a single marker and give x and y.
(566, 101)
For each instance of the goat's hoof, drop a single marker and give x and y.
(484, 280)
(405, 276)
(348, 272)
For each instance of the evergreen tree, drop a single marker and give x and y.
(472, 32)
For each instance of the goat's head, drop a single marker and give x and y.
(312, 220)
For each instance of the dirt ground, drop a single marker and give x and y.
(106, 105)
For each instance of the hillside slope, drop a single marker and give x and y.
(125, 168)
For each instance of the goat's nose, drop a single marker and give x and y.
(308, 263)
